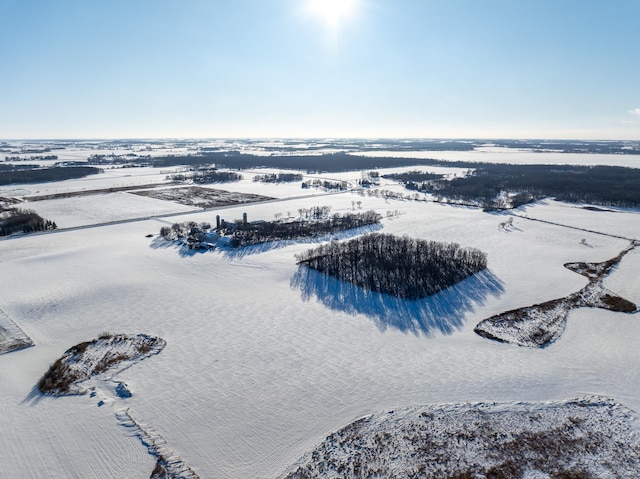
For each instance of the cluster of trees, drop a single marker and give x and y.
(315, 212)
(389, 194)
(243, 234)
(215, 176)
(31, 158)
(261, 232)
(414, 176)
(207, 175)
(187, 230)
(369, 178)
(400, 266)
(40, 175)
(278, 177)
(505, 186)
(100, 159)
(23, 221)
(328, 185)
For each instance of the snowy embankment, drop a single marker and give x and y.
(12, 337)
(102, 359)
(70, 373)
(591, 437)
(541, 324)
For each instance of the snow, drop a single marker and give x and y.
(256, 372)
(541, 324)
(515, 156)
(12, 337)
(586, 437)
(100, 208)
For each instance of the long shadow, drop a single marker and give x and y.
(242, 251)
(443, 312)
(34, 397)
(183, 250)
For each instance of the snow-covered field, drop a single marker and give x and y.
(517, 157)
(261, 363)
(519, 440)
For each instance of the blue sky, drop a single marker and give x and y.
(277, 68)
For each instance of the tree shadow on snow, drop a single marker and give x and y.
(237, 253)
(443, 312)
(183, 250)
(34, 396)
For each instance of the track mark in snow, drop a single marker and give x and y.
(12, 337)
(90, 361)
(169, 465)
(541, 324)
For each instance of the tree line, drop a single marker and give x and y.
(485, 182)
(23, 221)
(400, 266)
(317, 223)
(206, 175)
(261, 232)
(42, 175)
(329, 162)
(278, 177)
(327, 185)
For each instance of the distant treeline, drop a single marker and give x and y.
(278, 177)
(42, 175)
(215, 176)
(601, 185)
(16, 167)
(400, 266)
(207, 175)
(363, 145)
(23, 221)
(327, 185)
(335, 162)
(600, 147)
(31, 158)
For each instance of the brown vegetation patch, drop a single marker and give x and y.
(201, 197)
(584, 438)
(618, 304)
(87, 359)
(541, 324)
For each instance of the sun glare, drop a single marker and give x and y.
(332, 12)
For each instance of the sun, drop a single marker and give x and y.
(331, 12)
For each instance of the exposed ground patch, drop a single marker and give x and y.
(91, 358)
(541, 324)
(585, 438)
(12, 337)
(201, 197)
